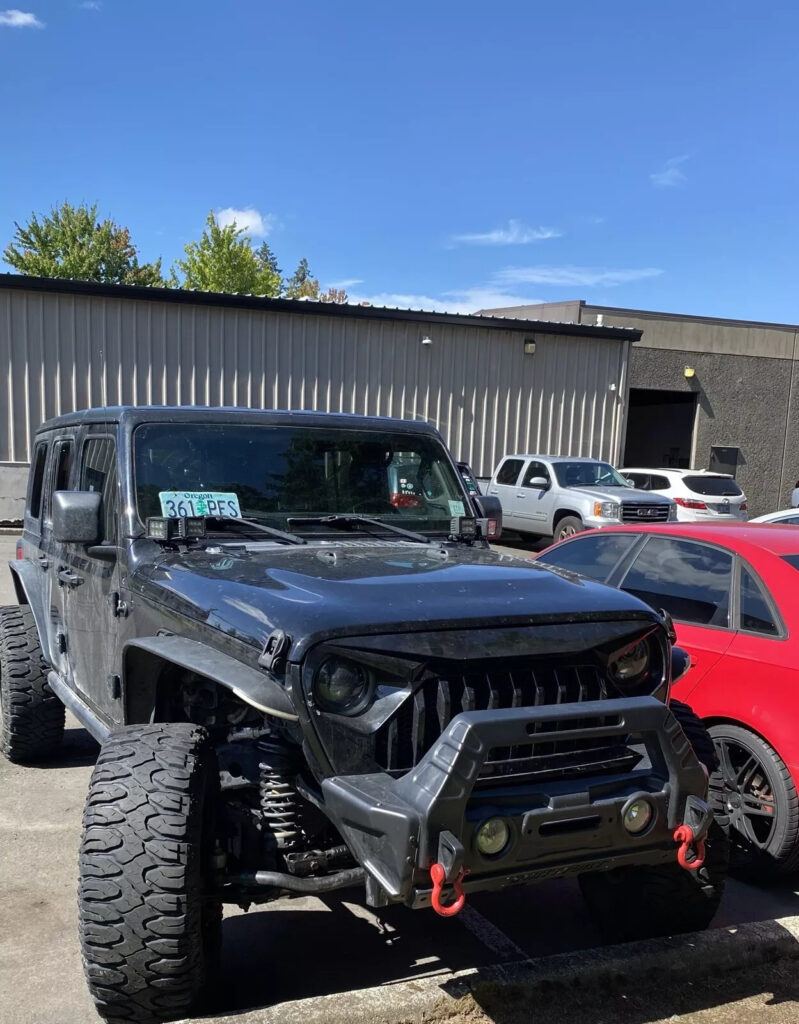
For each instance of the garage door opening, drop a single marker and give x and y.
(660, 429)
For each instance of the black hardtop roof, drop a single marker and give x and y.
(134, 414)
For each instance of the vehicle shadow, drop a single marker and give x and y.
(79, 749)
(312, 948)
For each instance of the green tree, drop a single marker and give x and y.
(223, 260)
(71, 242)
(301, 285)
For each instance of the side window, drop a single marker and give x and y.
(36, 485)
(509, 473)
(533, 470)
(98, 472)
(59, 477)
(659, 483)
(639, 480)
(595, 555)
(690, 581)
(756, 616)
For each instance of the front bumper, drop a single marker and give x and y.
(398, 828)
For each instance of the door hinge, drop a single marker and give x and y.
(119, 608)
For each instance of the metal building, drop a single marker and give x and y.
(706, 393)
(490, 384)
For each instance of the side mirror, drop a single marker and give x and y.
(680, 663)
(489, 515)
(76, 517)
(539, 483)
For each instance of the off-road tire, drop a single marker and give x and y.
(150, 935)
(645, 901)
(779, 854)
(31, 716)
(568, 526)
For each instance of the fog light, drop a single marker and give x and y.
(637, 816)
(492, 837)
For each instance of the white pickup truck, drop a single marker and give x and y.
(557, 496)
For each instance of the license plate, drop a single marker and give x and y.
(178, 504)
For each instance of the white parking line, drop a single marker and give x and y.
(491, 936)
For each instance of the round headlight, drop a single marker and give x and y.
(340, 685)
(492, 837)
(629, 663)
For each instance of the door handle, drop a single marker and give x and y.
(44, 561)
(522, 495)
(70, 578)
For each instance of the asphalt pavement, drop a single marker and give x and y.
(291, 950)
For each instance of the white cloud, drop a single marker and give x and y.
(20, 19)
(515, 233)
(248, 219)
(463, 300)
(90, 5)
(347, 282)
(671, 175)
(576, 277)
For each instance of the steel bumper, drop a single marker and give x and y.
(398, 828)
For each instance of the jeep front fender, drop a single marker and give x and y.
(255, 687)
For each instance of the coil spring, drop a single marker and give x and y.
(279, 804)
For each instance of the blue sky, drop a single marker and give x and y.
(435, 154)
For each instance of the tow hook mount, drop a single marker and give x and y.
(448, 869)
(691, 834)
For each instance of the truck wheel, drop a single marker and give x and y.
(150, 933)
(31, 716)
(644, 901)
(567, 527)
(755, 799)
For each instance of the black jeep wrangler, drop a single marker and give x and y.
(304, 681)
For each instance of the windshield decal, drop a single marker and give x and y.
(177, 504)
(456, 508)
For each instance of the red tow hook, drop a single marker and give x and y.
(437, 874)
(684, 835)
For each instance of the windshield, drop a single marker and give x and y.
(715, 486)
(588, 474)
(275, 473)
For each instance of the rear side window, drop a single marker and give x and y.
(639, 480)
(756, 616)
(690, 581)
(509, 473)
(660, 483)
(98, 473)
(37, 480)
(792, 560)
(788, 521)
(715, 486)
(595, 555)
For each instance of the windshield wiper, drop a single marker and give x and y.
(348, 522)
(253, 524)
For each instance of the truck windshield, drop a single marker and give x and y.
(588, 474)
(276, 473)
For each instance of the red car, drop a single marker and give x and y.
(732, 592)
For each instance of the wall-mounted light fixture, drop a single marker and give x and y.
(529, 347)
(426, 340)
(689, 372)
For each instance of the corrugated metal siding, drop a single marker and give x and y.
(66, 352)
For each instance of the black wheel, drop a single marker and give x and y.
(644, 901)
(567, 527)
(150, 931)
(31, 716)
(755, 798)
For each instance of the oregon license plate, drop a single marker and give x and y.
(178, 504)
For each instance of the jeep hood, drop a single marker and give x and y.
(364, 587)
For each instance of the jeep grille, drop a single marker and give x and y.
(421, 719)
